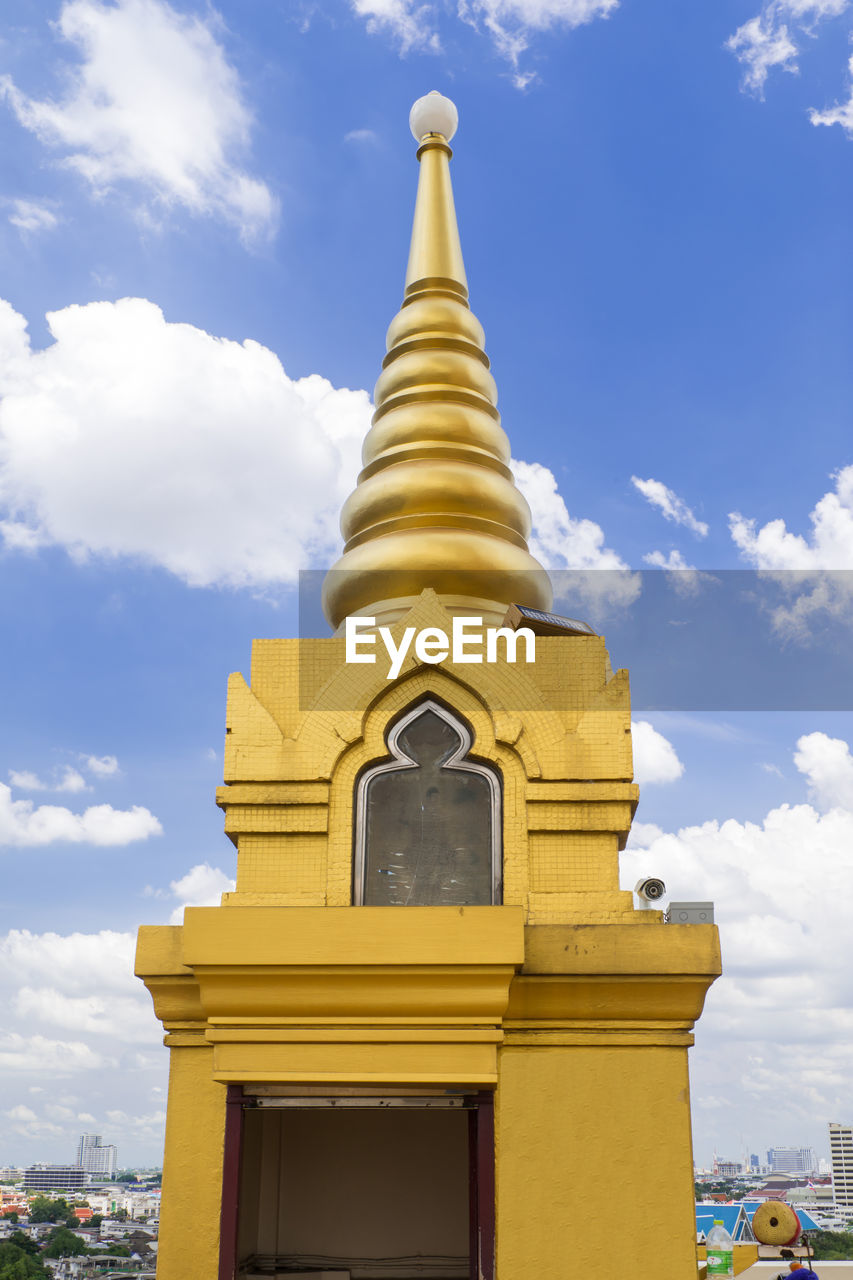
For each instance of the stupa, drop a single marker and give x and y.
(428, 1035)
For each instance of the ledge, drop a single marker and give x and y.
(353, 936)
(622, 949)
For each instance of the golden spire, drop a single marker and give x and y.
(435, 505)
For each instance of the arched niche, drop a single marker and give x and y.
(428, 820)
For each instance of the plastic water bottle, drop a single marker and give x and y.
(720, 1248)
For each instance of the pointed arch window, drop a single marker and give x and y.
(427, 829)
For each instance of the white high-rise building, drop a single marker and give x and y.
(841, 1152)
(791, 1160)
(96, 1159)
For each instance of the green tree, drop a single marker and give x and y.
(24, 1243)
(62, 1243)
(718, 1186)
(43, 1209)
(10, 1216)
(831, 1246)
(15, 1264)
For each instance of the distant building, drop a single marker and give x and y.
(42, 1179)
(727, 1168)
(841, 1153)
(791, 1160)
(137, 1204)
(733, 1217)
(754, 1164)
(95, 1158)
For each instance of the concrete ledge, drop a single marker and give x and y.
(614, 949)
(249, 936)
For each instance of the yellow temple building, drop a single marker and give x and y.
(428, 1035)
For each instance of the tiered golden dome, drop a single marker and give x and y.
(435, 505)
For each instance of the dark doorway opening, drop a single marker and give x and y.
(348, 1188)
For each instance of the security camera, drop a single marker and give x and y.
(649, 889)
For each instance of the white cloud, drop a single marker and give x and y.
(655, 758)
(559, 541)
(153, 1121)
(101, 431)
(57, 1112)
(25, 780)
(830, 545)
(673, 563)
(810, 12)
(670, 505)
(24, 1122)
(769, 39)
(68, 780)
(512, 23)
(202, 886)
(123, 1018)
(411, 25)
(71, 780)
(775, 912)
(70, 1006)
(20, 1113)
(778, 1024)
(684, 578)
(805, 565)
(101, 766)
(74, 963)
(366, 136)
(21, 537)
(828, 765)
(759, 47)
(39, 1055)
(643, 834)
(24, 825)
(29, 216)
(153, 102)
(841, 114)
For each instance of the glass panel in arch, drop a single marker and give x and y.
(428, 825)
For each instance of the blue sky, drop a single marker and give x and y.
(213, 204)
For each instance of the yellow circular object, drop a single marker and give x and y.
(775, 1222)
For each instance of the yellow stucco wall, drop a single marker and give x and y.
(558, 730)
(594, 1167)
(192, 1166)
(743, 1256)
(578, 1017)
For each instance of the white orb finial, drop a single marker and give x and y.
(433, 113)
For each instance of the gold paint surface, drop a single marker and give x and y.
(435, 504)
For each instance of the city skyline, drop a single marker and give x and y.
(212, 204)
